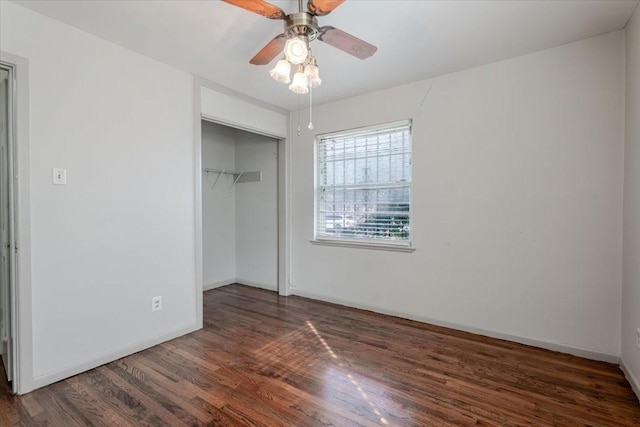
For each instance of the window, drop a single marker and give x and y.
(363, 186)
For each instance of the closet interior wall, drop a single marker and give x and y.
(240, 221)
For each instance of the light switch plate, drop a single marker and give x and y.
(59, 176)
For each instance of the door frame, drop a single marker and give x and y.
(22, 302)
(7, 242)
(283, 180)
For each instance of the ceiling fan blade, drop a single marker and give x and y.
(323, 7)
(270, 51)
(260, 7)
(346, 42)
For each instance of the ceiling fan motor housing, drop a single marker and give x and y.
(301, 24)
(300, 28)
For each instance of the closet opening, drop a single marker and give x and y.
(239, 207)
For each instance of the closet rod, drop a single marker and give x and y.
(222, 171)
(255, 176)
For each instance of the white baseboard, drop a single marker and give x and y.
(75, 370)
(562, 348)
(222, 283)
(266, 286)
(635, 385)
(218, 284)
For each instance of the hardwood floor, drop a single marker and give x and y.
(265, 360)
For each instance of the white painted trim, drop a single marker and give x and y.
(240, 282)
(284, 218)
(9, 348)
(633, 381)
(284, 177)
(24, 375)
(221, 105)
(197, 180)
(219, 284)
(256, 285)
(378, 246)
(240, 126)
(230, 92)
(83, 367)
(562, 348)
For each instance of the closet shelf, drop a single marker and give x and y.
(239, 176)
(229, 171)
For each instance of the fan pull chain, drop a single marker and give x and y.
(298, 114)
(310, 109)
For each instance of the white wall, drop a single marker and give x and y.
(240, 222)
(122, 230)
(517, 200)
(257, 212)
(218, 206)
(631, 259)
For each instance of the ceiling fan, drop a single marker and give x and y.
(304, 25)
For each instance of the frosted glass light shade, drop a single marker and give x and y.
(300, 84)
(312, 73)
(296, 50)
(281, 72)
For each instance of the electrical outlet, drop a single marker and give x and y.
(638, 337)
(156, 303)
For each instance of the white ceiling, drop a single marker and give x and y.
(415, 39)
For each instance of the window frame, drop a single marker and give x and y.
(378, 244)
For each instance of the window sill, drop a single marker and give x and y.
(363, 245)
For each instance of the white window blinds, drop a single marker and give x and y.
(363, 189)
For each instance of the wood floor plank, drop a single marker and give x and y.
(266, 360)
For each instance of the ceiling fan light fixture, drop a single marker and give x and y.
(300, 83)
(312, 73)
(281, 72)
(296, 50)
